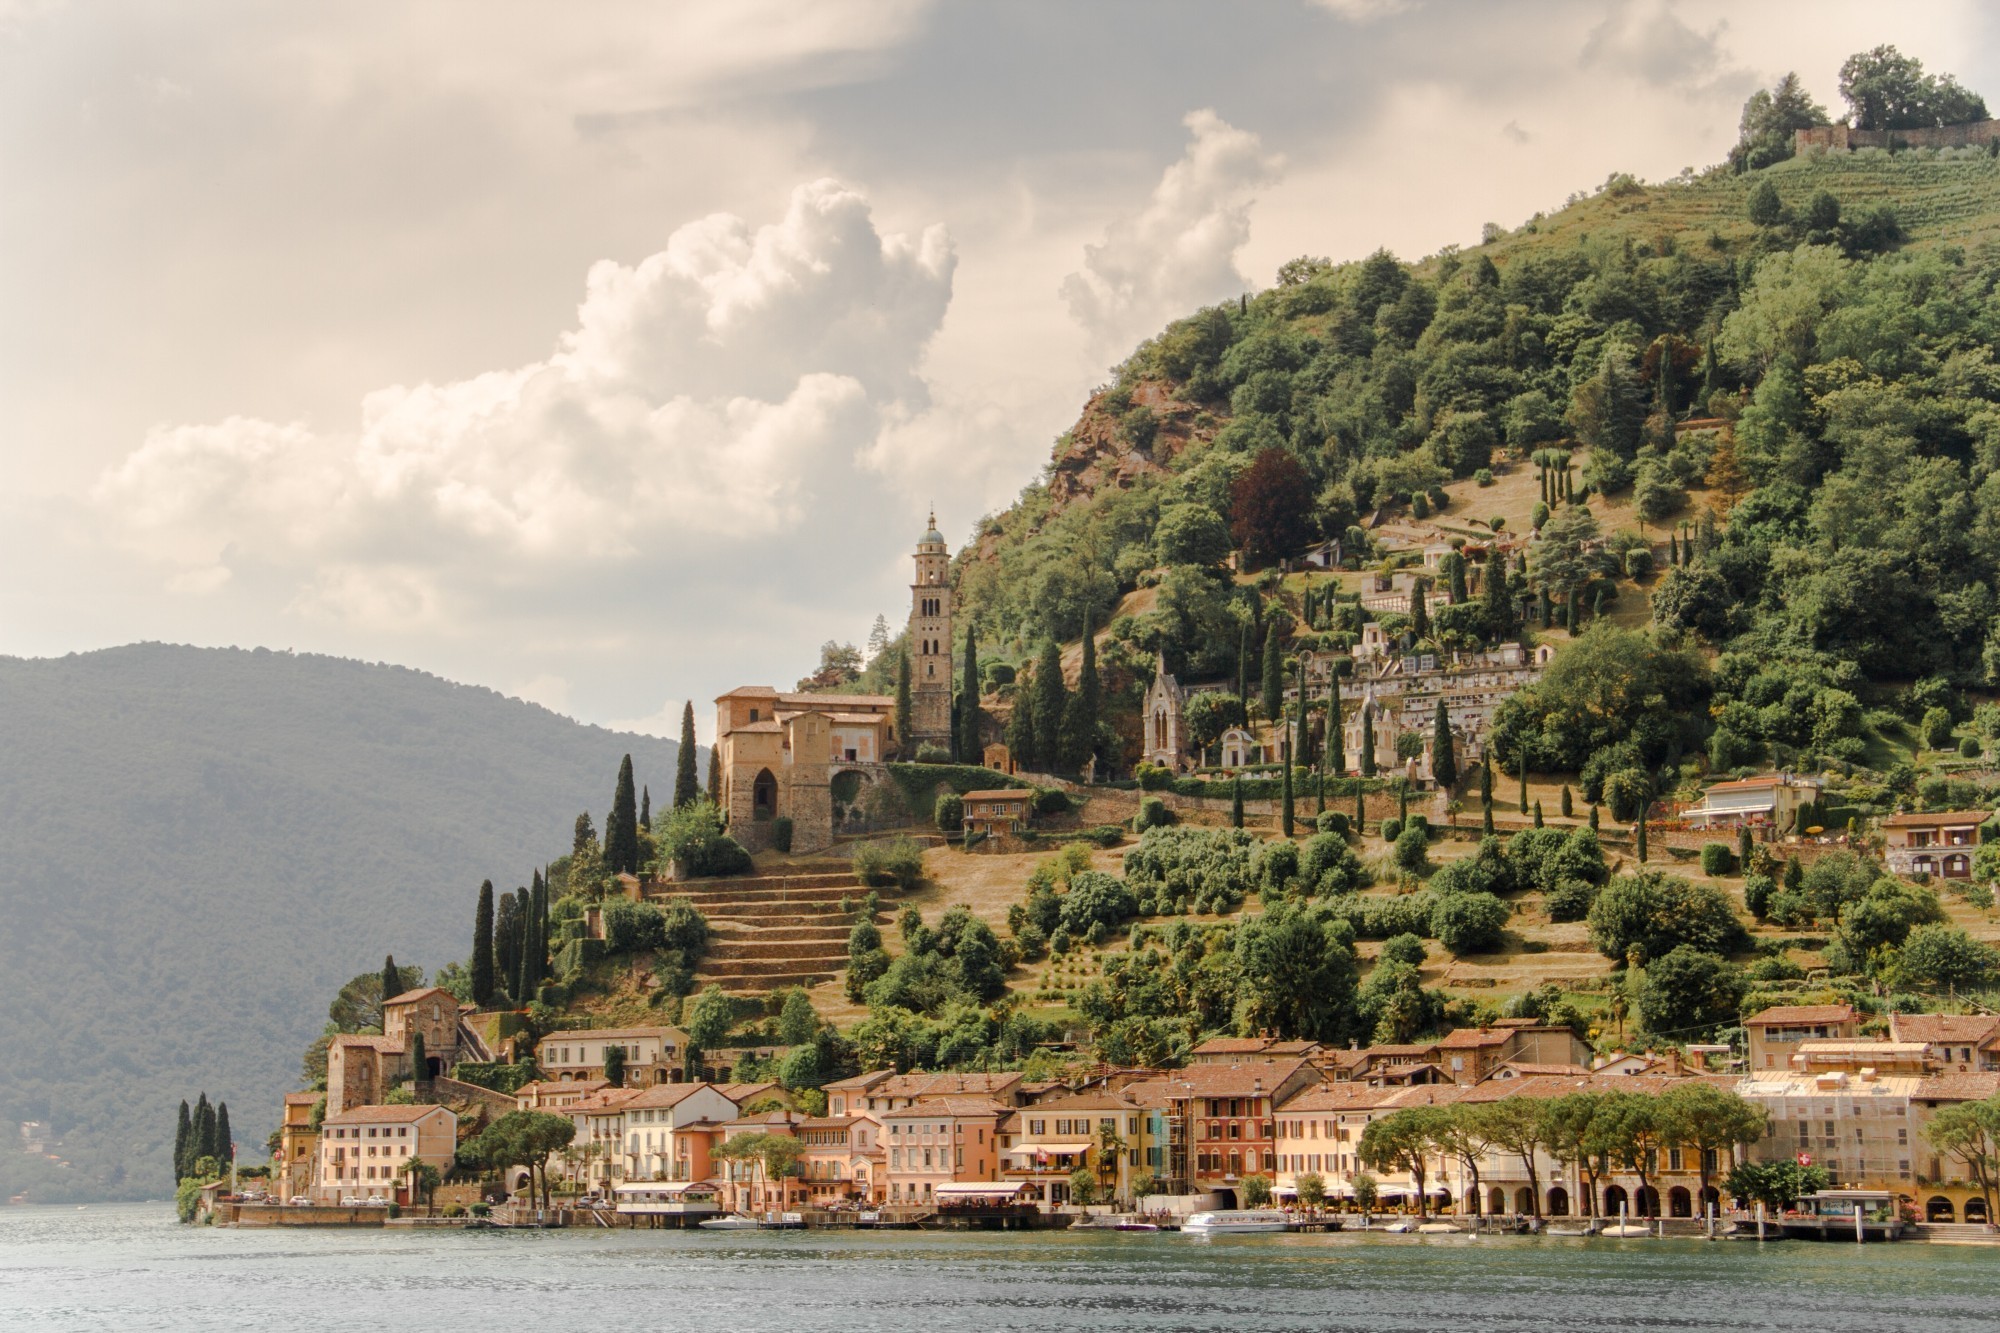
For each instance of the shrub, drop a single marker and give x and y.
(1468, 923)
(1658, 913)
(1153, 813)
(1405, 948)
(1032, 941)
(1328, 865)
(1059, 941)
(1969, 748)
(781, 833)
(1052, 801)
(898, 861)
(1279, 865)
(1333, 821)
(1097, 898)
(1413, 846)
(928, 753)
(949, 812)
(1690, 992)
(1385, 918)
(1208, 868)
(1392, 828)
(1570, 900)
(1154, 777)
(1483, 476)
(1717, 858)
(1487, 871)
(693, 836)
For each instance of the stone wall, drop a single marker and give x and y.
(1973, 134)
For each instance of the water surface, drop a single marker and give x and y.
(132, 1267)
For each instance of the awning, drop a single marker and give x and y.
(1050, 1148)
(665, 1187)
(980, 1191)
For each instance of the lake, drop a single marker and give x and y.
(133, 1267)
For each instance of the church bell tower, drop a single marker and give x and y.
(930, 644)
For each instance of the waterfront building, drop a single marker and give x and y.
(1943, 1186)
(747, 1186)
(1218, 1118)
(668, 1131)
(297, 1156)
(939, 1141)
(1104, 1131)
(365, 1151)
(1856, 1124)
(842, 1161)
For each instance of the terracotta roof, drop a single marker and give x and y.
(602, 1102)
(1001, 794)
(1967, 1029)
(1941, 819)
(1245, 1080)
(1464, 1039)
(375, 1042)
(1232, 1046)
(1958, 1087)
(922, 1086)
(749, 692)
(860, 1082)
(576, 1085)
(1341, 1097)
(1525, 1069)
(1784, 1014)
(412, 996)
(743, 1092)
(783, 1119)
(824, 701)
(954, 1106)
(397, 1115)
(302, 1098)
(835, 1121)
(666, 1094)
(1085, 1101)
(1767, 780)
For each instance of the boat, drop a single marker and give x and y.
(1235, 1222)
(1400, 1228)
(1136, 1226)
(1568, 1233)
(733, 1222)
(1626, 1230)
(1437, 1229)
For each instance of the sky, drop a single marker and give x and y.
(614, 355)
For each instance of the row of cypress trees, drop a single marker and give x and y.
(202, 1132)
(510, 946)
(1054, 728)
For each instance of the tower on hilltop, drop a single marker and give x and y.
(930, 644)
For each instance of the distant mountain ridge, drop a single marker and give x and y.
(198, 845)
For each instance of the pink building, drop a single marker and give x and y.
(365, 1152)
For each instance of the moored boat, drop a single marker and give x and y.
(1234, 1222)
(733, 1222)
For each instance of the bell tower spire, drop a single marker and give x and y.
(930, 643)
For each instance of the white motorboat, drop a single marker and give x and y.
(1437, 1229)
(1628, 1230)
(1234, 1222)
(729, 1223)
(1400, 1228)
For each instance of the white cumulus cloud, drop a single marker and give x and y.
(1179, 252)
(730, 387)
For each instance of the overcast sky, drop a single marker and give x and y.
(610, 354)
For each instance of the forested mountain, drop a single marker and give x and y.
(198, 846)
(1792, 364)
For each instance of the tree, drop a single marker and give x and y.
(798, 1021)
(421, 1179)
(1771, 118)
(1336, 736)
(621, 826)
(1469, 923)
(1274, 675)
(1517, 1125)
(1639, 837)
(203, 1135)
(1690, 993)
(1285, 817)
(775, 1157)
(709, 1018)
(1080, 717)
(420, 1064)
(1270, 505)
(645, 808)
(1499, 617)
(966, 739)
(1778, 1185)
(1256, 1190)
(614, 1064)
(1297, 974)
(715, 760)
(1191, 534)
(482, 947)
(1405, 1141)
(1659, 912)
(1524, 784)
(1420, 615)
(524, 1138)
(224, 1148)
(1887, 90)
(1051, 703)
(183, 1144)
(1311, 1189)
(1764, 207)
(1942, 957)
(1711, 1121)
(1083, 1186)
(1368, 739)
(1023, 745)
(1236, 801)
(903, 705)
(1444, 762)
(1968, 1131)
(1632, 1133)
(1575, 1126)
(687, 789)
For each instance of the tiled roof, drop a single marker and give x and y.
(666, 1094)
(1085, 1101)
(1245, 1080)
(1958, 1087)
(303, 1098)
(378, 1115)
(412, 996)
(824, 701)
(1464, 1039)
(388, 1045)
(1232, 1046)
(1000, 794)
(953, 1106)
(945, 1085)
(1341, 1097)
(1968, 1029)
(1941, 819)
(1785, 1014)
(584, 1034)
(860, 1082)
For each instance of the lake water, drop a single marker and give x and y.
(132, 1267)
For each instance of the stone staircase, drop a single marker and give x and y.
(768, 931)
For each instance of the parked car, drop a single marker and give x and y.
(300, 1201)
(376, 1201)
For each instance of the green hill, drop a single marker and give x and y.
(198, 846)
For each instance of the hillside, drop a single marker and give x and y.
(198, 846)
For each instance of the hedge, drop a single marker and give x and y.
(1271, 789)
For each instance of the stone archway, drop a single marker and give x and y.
(1975, 1210)
(763, 795)
(1680, 1203)
(1497, 1199)
(1615, 1198)
(1938, 1208)
(1524, 1200)
(1558, 1201)
(1646, 1202)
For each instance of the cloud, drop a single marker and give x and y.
(1363, 11)
(1180, 251)
(717, 392)
(1649, 39)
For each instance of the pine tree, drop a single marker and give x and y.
(687, 787)
(392, 979)
(1538, 814)
(1639, 837)
(969, 749)
(904, 746)
(1420, 615)
(1285, 819)
(203, 1138)
(183, 1144)
(1235, 821)
(1368, 740)
(1274, 676)
(621, 826)
(1524, 784)
(482, 947)
(645, 807)
(1051, 705)
(225, 1141)
(1444, 764)
(1568, 806)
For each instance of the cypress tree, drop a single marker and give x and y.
(1568, 807)
(1538, 814)
(1088, 697)
(1420, 615)
(1402, 803)
(1235, 821)
(524, 984)
(507, 942)
(183, 1141)
(1673, 550)
(538, 932)
(968, 699)
(1743, 850)
(1639, 836)
(1524, 784)
(903, 745)
(1285, 821)
(1021, 727)
(482, 947)
(1304, 757)
(225, 1141)
(645, 807)
(1368, 740)
(1575, 622)
(687, 787)
(419, 1060)
(203, 1137)
(621, 826)
(1593, 816)
(715, 767)
(1274, 677)
(1051, 704)
(1459, 594)
(1360, 811)
(1499, 607)
(392, 979)
(1548, 609)
(1336, 732)
(1243, 667)
(1486, 818)
(1486, 778)
(1444, 763)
